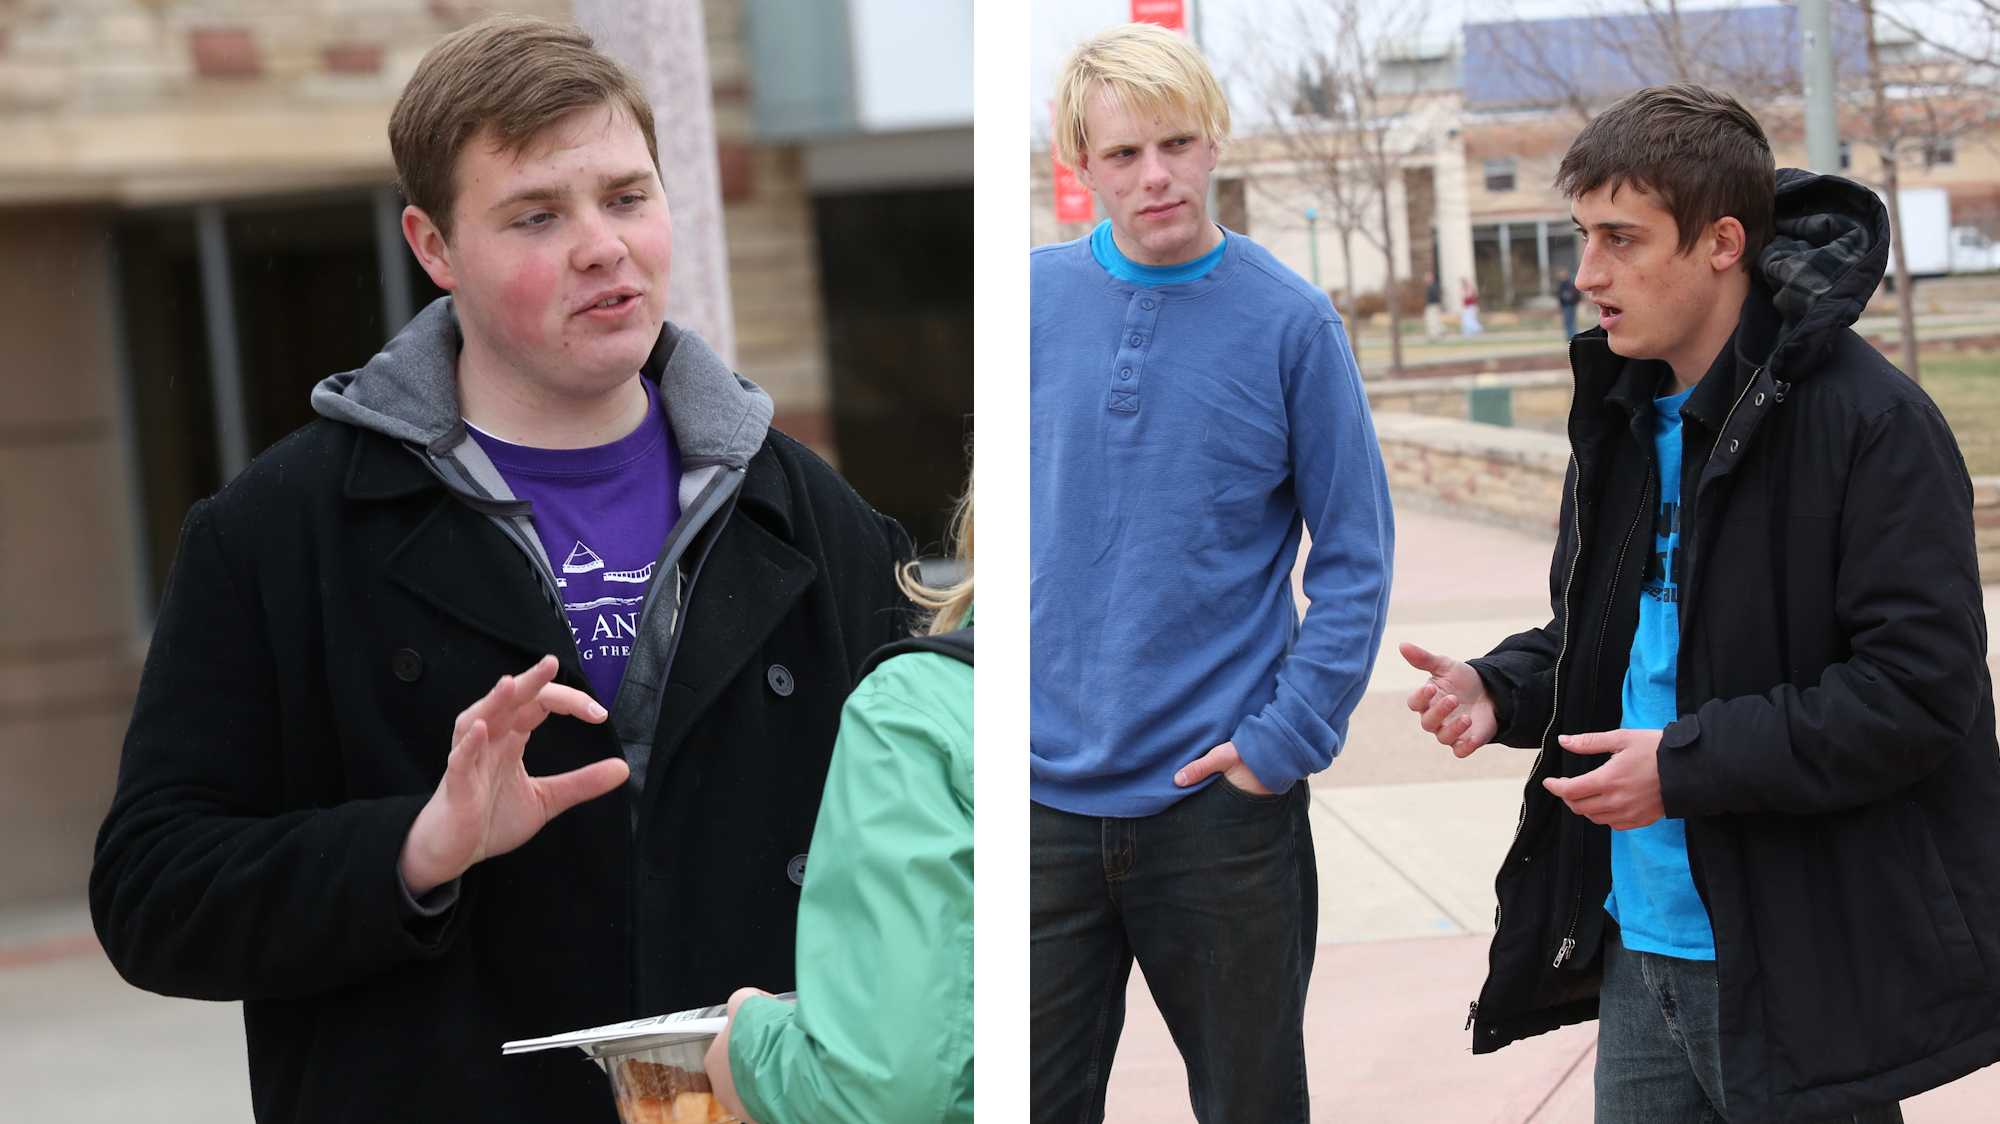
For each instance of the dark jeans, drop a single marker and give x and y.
(1217, 898)
(1658, 1055)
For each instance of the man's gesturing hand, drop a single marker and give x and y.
(1452, 704)
(1624, 792)
(487, 803)
(1222, 759)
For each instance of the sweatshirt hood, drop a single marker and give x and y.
(409, 392)
(1825, 259)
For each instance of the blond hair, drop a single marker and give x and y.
(1144, 68)
(947, 606)
(506, 79)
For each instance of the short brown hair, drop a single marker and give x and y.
(1699, 151)
(506, 76)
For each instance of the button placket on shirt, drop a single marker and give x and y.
(1128, 366)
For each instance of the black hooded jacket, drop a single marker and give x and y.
(1835, 757)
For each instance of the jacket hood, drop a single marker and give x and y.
(1825, 259)
(409, 392)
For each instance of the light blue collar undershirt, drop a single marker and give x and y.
(1105, 250)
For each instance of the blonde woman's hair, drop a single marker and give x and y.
(948, 606)
(1146, 69)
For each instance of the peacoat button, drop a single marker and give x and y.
(407, 664)
(796, 870)
(780, 679)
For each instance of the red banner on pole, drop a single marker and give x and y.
(1170, 14)
(1073, 202)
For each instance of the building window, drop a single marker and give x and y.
(1939, 150)
(1846, 155)
(1500, 174)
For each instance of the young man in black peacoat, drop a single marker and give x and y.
(323, 809)
(1758, 842)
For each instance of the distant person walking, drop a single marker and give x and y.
(1468, 313)
(1433, 307)
(1567, 298)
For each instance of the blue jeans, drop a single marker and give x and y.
(1659, 1057)
(1569, 320)
(1217, 898)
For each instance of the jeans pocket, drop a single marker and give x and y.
(1223, 782)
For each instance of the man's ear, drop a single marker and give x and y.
(428, 244)
(1727, 251)
(1082, 170)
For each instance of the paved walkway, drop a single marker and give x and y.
(1408, 838)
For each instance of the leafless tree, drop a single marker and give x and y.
(1940, 88)
(1335, 110)
(1944, 90)
(1609, 47)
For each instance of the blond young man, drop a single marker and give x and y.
(323, 809)
(1194, 407)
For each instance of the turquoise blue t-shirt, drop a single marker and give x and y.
(1114, 261)
(1653, 898)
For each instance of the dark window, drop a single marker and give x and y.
(306, 301)
(1500, 174)
(1940, 150)
(897, 290)
(1846, 155)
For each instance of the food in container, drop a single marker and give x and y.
(656, 1064)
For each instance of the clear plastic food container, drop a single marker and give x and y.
(659, 1082)
(656, 1064)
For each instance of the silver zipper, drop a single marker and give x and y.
(1562, 954)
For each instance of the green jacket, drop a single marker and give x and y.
(882, 1030)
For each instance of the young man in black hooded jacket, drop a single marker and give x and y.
(1758, 842)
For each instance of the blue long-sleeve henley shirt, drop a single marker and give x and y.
(1181, 435)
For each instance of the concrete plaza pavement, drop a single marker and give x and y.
(1408, 838)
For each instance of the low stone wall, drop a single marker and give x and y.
(1540, 398)
(1514, 477)
(1986, 525)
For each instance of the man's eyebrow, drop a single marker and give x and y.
(1608, 224)
(548, 194)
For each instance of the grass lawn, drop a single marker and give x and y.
(1966, 386)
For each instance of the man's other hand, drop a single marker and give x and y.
(487, 804)
(1452, 704)
(1624, 792)
(1222, 759)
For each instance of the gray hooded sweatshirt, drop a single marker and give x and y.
(409, 392)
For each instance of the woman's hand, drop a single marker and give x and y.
(717, 1062)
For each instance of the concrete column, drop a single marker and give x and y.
(665, 44)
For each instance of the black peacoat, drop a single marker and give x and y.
(329, 614)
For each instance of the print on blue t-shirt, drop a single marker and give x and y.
(1653, 898)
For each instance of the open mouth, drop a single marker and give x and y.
(611, 304)
(1608, 314)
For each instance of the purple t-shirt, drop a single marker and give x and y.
(602, 514)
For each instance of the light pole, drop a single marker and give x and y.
(1312, 239)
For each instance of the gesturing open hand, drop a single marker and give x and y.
(487, 804)
(1452, 704)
